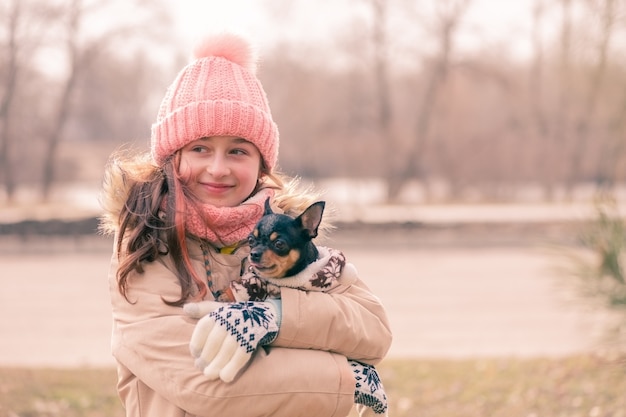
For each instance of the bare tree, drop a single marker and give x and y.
(80, 56)
(613, 154)
(447, 20)
(605, 10)
(564, 75)
(63, 109)
(538, 109)
(25, 28)
(6, 101)
(382, 85)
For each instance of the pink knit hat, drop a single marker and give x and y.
(217, 94)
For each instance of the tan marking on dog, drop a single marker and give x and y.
(277, 265)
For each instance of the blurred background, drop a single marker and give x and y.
(482, 143)
(406, 101)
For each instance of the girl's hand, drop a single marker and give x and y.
(225, 339)
(201, 309)
(370, 394)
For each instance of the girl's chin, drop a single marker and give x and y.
(218, 202)
(221, 198)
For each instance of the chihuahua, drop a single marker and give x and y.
(282, 254)
(282, 246)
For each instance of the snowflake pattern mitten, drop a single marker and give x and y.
(369, 388)
(225, 339)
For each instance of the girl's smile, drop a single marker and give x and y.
(221, 170)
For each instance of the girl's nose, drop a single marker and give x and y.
(218, 167)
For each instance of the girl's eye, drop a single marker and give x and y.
(239, 151)
(198, 148)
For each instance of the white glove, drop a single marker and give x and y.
(225, 339)
(370, 394)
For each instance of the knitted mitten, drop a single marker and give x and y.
(225, 339)
(369, 392)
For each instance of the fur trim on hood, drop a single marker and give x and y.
(120, 173)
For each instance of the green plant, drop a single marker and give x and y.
(603, 276)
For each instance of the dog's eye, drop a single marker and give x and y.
(280, 245)
(251, 240)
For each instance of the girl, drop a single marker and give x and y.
(180, 215)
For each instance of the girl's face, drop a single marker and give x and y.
(220, 170)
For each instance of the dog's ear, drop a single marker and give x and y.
(268, 207)
(312, 217)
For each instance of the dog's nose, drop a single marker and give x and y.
(255, 255)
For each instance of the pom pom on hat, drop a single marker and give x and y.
(217, 94)
(229, 46)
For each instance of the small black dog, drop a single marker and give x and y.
(281, 246)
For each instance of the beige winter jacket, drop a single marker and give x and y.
(304, 372)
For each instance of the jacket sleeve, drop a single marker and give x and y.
(151, 345)
(350, 321)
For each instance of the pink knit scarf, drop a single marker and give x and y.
(226, 226)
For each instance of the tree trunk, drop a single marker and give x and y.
(410, 167)
(64, 108)
(383, 98)
(6, 148)
(582, 128)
